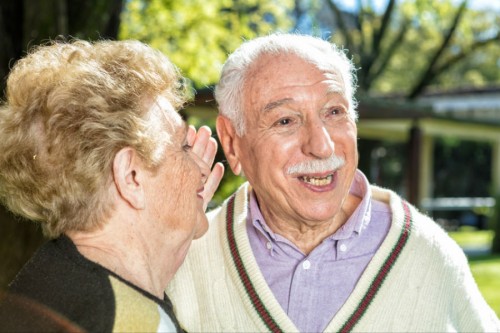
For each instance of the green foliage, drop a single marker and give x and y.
(198, 35)
(393, 49)
(420, 43)
(228, 186)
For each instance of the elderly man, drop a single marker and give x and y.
(307, 244)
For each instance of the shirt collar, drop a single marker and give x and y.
(361, 216)
(258, 220)
(356, 223)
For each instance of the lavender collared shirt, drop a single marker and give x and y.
(312, 288)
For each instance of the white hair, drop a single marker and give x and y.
(327, 57)
(317, 166)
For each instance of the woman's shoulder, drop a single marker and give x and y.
(62, 280)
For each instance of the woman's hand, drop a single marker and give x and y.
(205, 147)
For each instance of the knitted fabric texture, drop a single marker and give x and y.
(417, 281)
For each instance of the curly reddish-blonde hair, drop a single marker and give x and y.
(71, 106)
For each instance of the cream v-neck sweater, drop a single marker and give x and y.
(418, 281)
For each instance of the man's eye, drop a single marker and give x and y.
(336, 111)
(284, 122)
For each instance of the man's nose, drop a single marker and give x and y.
(317, 142)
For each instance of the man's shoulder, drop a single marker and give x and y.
(425, 235)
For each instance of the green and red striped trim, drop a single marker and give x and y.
(363, 305)
(383, 272)
(250, 289)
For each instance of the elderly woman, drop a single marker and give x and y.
(94, 150)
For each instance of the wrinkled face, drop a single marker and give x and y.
(175, 188)
(299, 151)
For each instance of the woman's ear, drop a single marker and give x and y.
(128, 173)
(227, 138)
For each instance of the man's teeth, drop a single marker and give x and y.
(318, 181)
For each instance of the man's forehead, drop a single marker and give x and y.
(334, 82)
(330, 90)
(275, 74)
(330, 94)
(288, 78)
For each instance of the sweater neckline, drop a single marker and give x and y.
(260, 296)
(69, 249)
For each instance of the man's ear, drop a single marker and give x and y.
(128, 175)
(227, 138)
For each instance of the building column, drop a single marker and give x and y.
(426, 178)
(414, 159)
(495, 167)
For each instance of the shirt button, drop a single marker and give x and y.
(306, 264)
(269, 245)
(343, 247)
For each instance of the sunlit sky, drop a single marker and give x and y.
(476, 4)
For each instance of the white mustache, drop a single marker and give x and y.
(317, 166)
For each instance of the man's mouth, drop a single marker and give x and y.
(317, 181)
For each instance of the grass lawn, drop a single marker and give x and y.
(486, 271)
(470, 237)
(485, 268)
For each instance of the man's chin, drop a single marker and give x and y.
(318, 214)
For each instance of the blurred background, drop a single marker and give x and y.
(428, 92)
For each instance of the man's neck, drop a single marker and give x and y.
(307, 235)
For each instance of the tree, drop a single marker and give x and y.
(406, 47)
(28, 23)
(198, 35)
(24, 24)
(414, 44)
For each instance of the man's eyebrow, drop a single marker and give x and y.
(337, 95)
(272, 105)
